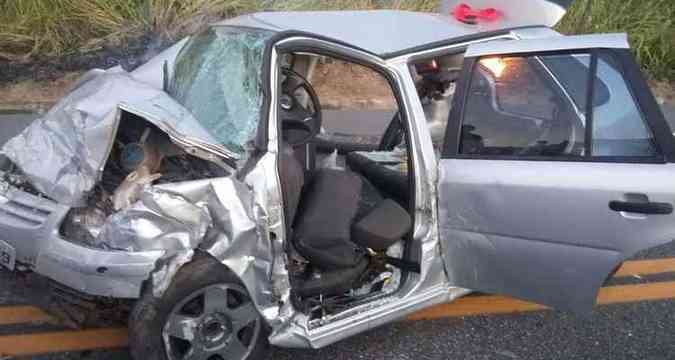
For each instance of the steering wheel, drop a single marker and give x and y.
(300, 123)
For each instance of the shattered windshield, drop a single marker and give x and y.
(217, 77)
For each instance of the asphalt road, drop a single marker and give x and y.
(13, 122)
(644, 330)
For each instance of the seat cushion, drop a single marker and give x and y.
(322, 232)
(382, 227)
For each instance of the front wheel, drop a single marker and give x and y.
(205, 314)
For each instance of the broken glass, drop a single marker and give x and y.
(217, 77)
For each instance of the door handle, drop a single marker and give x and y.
(641, 207)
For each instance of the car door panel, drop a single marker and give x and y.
(548, 228)
(544, 231)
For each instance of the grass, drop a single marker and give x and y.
(414, 5)
(37, 29)
(650, 25)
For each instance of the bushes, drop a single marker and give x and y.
(38, 28)
(414, 5)
(31, 29)
(650, 25)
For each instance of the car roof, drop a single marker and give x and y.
(382, 32)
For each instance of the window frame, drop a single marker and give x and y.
(647, 106)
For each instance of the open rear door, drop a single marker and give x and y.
(516, 12)
(557, 166)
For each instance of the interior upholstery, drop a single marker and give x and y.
(323, 226)
(292, 178)
(382, 227)
(393, 183)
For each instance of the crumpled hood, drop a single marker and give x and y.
(63, 152)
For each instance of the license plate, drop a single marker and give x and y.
(7, 255)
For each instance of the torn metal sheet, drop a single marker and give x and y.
(236, 236)
(63, 152)
(264, 180)
(152, 72)
(160, 220)
(219, 216)
(167, 269)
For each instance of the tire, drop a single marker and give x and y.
(215, 330)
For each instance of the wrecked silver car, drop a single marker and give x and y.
(218, 187)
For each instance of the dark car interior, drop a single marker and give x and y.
(345, 204)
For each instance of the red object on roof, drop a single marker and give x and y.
(466, 14)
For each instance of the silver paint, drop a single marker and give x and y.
(152, 72)
(523, 12)
(120, 273)
(547, 222)
(460, 47)
(610, 41)
(247, 231)
(63, 153)
(420, 290)
(159, 220)
(393, 31)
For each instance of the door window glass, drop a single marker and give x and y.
(515, 107)
(619, 128)
(537, 106)
(357, 103)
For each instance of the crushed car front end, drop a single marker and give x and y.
(28, 222)
(126, 177)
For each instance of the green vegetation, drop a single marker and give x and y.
(38, 28)
(31, 29)
(414, 5)
(649, 23)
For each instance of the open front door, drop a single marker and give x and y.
(557, 166)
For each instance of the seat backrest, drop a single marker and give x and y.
(292, 177)
(322, 231)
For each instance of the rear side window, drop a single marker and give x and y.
(538, 106)
(619, 128)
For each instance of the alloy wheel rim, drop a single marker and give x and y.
(216, 322)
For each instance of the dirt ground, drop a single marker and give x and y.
(339, 85)
(36, 95)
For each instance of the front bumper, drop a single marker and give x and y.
(115, 274)
(31, 224)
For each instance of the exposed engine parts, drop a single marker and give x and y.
(142, 159)
(141, 156)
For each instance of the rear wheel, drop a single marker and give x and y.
(205, 314)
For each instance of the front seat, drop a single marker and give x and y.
(322, 233)
(328, 228)
(321, 230)
(292, 178)
(333, 232)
